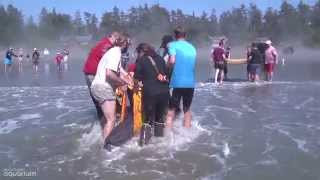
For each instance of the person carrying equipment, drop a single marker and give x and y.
(183, 60)
(91, 65)
(151, 70)
(255, 59)
(110, 76)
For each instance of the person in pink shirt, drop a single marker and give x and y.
(271, 59)
(59, 59)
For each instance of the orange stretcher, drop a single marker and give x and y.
(137, 108)
(137, 111)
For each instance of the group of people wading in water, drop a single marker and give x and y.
(154, 73)
(22, 57)
(10, 55)
(154, 84)
(261, 58)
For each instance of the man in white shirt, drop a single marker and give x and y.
(110, 75)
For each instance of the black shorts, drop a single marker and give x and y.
(219, 65)
(186, 94)
(35, 62)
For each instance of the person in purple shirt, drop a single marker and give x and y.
(219, 58)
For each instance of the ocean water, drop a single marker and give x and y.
(240, 130)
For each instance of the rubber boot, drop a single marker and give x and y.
(145, 134)
(158, 129)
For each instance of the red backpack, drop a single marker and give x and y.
(95, 55)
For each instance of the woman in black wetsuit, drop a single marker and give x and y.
(151, 70)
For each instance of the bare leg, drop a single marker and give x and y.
(170, 117)
(221, 76)
(257, 78)
(109, 111)
(216, 76)
(9, 68)
(252, 77)
(268, 76)
(187, 119)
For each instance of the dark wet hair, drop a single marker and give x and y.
(165, 40)
(146, 49)
(179, 32)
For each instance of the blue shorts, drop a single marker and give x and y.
(7, 61)
(253, 68)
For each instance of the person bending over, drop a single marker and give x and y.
(110, 76)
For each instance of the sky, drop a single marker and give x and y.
(33, 7)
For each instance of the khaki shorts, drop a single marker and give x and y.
(102, 92)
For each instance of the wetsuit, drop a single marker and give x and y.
(155, 93)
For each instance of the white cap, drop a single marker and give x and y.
(268, 42)
(34, 49)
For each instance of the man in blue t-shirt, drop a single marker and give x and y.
(182, 59)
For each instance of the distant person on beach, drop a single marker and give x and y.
(182, 58)
(248, 52)
(271, 59)
(59, 59)
(255, 60)
(219, 58)
(8, 60)
(92, 61)
(35, 59)
(152, 71)
(46, 52)
(287, 51)
(228, 56)
(65, 54)
(20, 59)
(109, 76)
